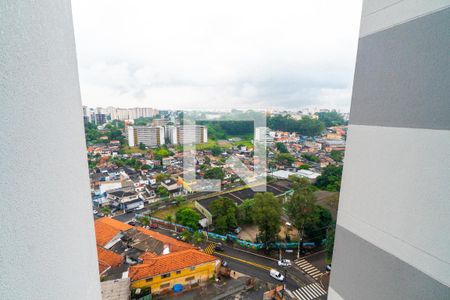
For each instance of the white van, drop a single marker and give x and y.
(277, 275)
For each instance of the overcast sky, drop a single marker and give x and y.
(216, 54)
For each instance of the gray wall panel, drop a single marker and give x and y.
(402, 76)
(367, 272)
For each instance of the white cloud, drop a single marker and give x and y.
(216, 54)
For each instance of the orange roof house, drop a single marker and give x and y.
(106, 229)
(170, 262)
(107, 259)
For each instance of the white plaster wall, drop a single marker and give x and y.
(47, 248)
(398, 198)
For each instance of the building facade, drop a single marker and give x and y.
(393, 229)
(187, 134)
(162, 274)
(150, 136)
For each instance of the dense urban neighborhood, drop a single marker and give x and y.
(160, 235)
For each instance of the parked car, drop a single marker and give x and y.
(328, 267)
(132, 223)
(95, 212)
(275, 274)
(154, 226)
(224, 263)
(284, 263)
(219, 247)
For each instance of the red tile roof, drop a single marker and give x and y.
(107, 259)
(170, 262)
(174, 244)
(107, 228)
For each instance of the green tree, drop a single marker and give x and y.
(180, 200)
(330, 179)
(162, 191)
(161, 177)
(106, 210)
(169, 218)
(214, 173)
(311, 157)
(216, 150)
(317, 231)
(224, 213)
(306, 126)
(300, 206)
(267, 215)
(245, 212)
(305, 167)
(331, 118)
(141, 146)
(188, 217)
(198, 237)
(285, 158)
(281, 147)
(337, 156)
(186, 235)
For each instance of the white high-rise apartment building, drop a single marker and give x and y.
(123, 114)
(187, 134)
(150, 136)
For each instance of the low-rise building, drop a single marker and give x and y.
(174, 271)
(150, 136)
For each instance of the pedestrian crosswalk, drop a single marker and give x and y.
(309, 292)
(308, 268)
(210, 248)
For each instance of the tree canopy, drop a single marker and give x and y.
(214, 173)
(281, 147)
(317, 231)
(188, 217)
(332, 118)
(162, 191)
(245, 211)
(337, 156)
(224, 213)
(330, 180)
(285, 158)
(311, 157)
(305, 126)
(267, 214)
(301, 204)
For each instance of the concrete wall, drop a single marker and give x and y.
(46, 229)
(393, 229)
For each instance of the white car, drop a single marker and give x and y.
(277, 275)
(284, 263)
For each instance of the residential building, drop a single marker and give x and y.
(174, 271)
(187, 134)
(262, 134)
(148, 135)
(393, 230)
(150, 259)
